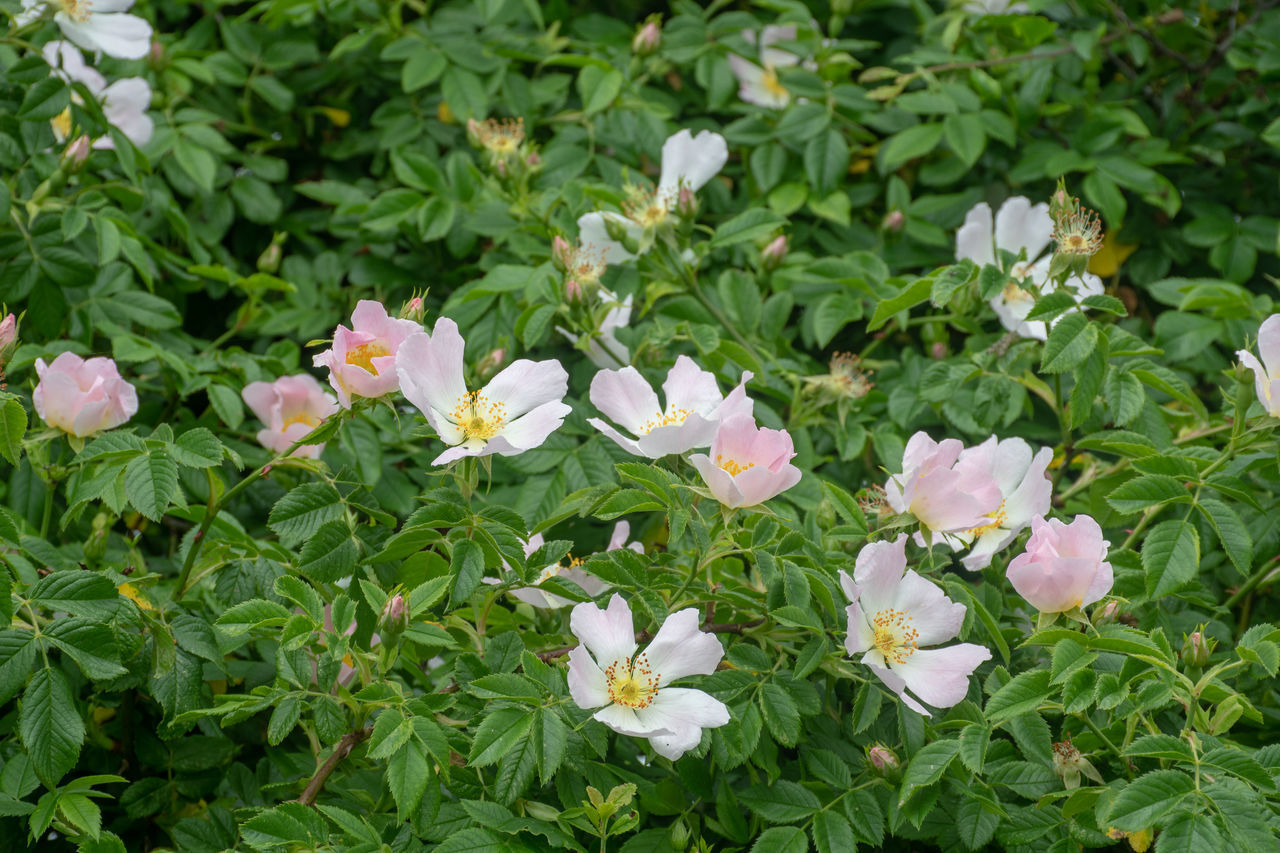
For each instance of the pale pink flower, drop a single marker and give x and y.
(1266, 373)
(514, 412)
(289, 408)
(1025, 493)
(694, 408)
(362, 360)
(1025, 230)
(83, 396)
(589, 583)
(124, 102)
(894, 616)
(748, 465)
(95, 25)
(945, 493)
(632, 691)
(689, 162)
(758, 84)
(1064, 567)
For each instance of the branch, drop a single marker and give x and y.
(348, 742)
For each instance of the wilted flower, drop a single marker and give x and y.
(946, 494)
(1025, 494)
(289, 408)
(846, 381)
(694, 408)
(571, 571)
(500, 137)
(1070, 765)
(514, 412)
(1266, 373)
(1018, 228)
(95, 25)
(894, 613)
(632, 691)
(82, 396)
(362, 360)
(688, 161)
(751, 464)
(1064, 567)
(1076, 229)
(124, 102)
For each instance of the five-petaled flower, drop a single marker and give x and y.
(96, 25)
(946, 491)
(124, 102)
(83, 396)
(633, 690)
(895, 615)
(748, 465)
(362, 360)
(515, 412)
(289, 408)
(694, 408)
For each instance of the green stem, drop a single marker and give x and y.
(48, 510)
(1084, 718)
(1256, 578)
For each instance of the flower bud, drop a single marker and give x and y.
(894, 220)
(938, 350)
(77, 152)
(884, 760)
(562, 254)
(572, 292)
(686, 203)
(1109, 613)
(394, 619)
(413, 310)
(1196, 649)
(8, 338)
(771, 255)
(490, 364)
(269, 260)
(615, 229)
(648, 36)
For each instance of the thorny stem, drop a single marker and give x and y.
(348, 742)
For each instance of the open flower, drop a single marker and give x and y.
(589, 583)
(946, 493)
(1019, 228)
(632, 690)
(688, 162)
(694, 408)
(289, 408)
(604, 350)
(362, 360)
(758, 84)
(894, 616)
(124, 102)
(83, 396)
(96, 25)
(1025, 494)
(751, 464)
(1064, 567)
(1266, 373)
(515, 412)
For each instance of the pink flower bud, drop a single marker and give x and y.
(648, 37)
(1110, 611)
(562, 254)
(413, 310)
(8, 336)
(894, 220)
(1064, 567)
(686, 203)
(157, 52)
(269, 260)
(772, 254)
(533, 160)
(572, 291)
(882, 758)
(938, 350)
(1197, 649)
(78, 151)
(394, 618)
(491, 362)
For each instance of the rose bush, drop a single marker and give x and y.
(953, 527)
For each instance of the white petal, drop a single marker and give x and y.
(936, 617)
(625, 398)
(530, 430)
(974, 238)
(685, 713)
(117, 35)
(681, 648)
(608, 633)
(628, 444)
(691, 161)
(587, 684)
(877, 571)
(941, 676)
(691, 388)
(1021, 226)
(592, 235)
(525, 385)
(430, 372)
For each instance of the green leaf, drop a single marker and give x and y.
(1170, 556)
(91, 645)
(407, 776)
(1147, 491)
(299, 514)
(1189, 833)
(1144, 800)
(550, 738)
(909, 144)
(966, 136)
(951, 279)
(283, 718)
(330, 554)
(82, 813)
(197, 448)
(498, 733)
(423, 67)
(598, 87)
(781, 802)
(780, 713)
(974, 740)
(45, 100)
(197, 161)
(1070, 341)
(910, 296)
(781, 839)
(1242, 812)
(81, 593)
(927, 766)
(13, 426)
(50, 725)
(832, 833)
(255, 613)
(826, 159)
(150, 483)
(1231, 531)
(750, 225)
(466, 566)
(515, 769)
(1021, 695)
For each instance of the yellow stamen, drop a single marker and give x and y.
(674, 417)
(300, 418)
(363, 355)
(479, 419)
(732, 466)
(633, 685)
(61, 124)
(894, 636)
(78, 10)
(998, 517)
(769, 80)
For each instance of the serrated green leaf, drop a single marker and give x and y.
(150, 483)
(1170, 556)
(50, 725)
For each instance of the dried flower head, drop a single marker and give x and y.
(1077, 230)
(500, 137)
(845, 381)
(1069, 764)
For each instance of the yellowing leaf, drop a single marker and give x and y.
(1112, 254)
(132, 593)
(341, 118)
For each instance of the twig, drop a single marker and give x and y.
(348, 742)
(1160, 46)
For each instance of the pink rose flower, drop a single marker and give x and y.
(83, 396)
(289, 408)
(1266, 373)
(751, 464)
(946, 493)
(894, 615)
(590, 584)
(362, 360)
(1064, 567)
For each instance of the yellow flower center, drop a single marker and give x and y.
(894, 636)
(77, 10)
(300, 418)
(61, 124)
(633, 685)
(363, 355)
(555, 569)
(1013, 294)
(769, 80)
(479, 419)
(674, 417)
(998, 517)
(732, 466)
